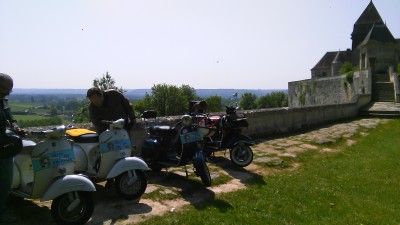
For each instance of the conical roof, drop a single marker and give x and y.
(379, 33)
(370, 15)
(364, 23)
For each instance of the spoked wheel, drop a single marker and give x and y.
(131, 187)
(241, 155)
(203, 172)
(74, 208)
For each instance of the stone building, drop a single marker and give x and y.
(375, 54)
(373, 45)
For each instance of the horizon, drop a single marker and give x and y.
(207, 45)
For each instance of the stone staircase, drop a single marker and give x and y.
(381, 109)
(382, 88)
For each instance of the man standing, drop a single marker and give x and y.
(6, 165)
(109, 105)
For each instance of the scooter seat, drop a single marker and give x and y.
(162, 131)
(86, 138)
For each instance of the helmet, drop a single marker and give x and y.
(186, 120)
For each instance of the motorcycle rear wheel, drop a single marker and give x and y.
(79, 215)
(241, 155)
(134, 191)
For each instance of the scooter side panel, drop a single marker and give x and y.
(241, 138)
(50, 159)
(66, 184)
(125, 164)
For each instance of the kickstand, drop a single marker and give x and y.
(187, 174)
(225, 153)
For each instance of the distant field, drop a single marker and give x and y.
(20, 107)
(28, 117)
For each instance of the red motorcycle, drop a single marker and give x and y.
(225, 132)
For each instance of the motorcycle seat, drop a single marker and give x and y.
(162, 131)
(86, 138)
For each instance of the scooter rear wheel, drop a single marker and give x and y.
(134, 191)
(77, 216)
(241, 155)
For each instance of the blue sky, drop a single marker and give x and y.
(241, 44)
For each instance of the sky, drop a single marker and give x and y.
(216, 44)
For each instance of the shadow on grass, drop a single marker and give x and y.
(236, 172)
(193, 191)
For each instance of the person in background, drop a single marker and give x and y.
(6, 165)
(109, 105)
(200, 107)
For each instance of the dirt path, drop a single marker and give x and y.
(176, 191)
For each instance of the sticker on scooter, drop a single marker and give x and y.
(52, 159)
(115, 145)
(191, 137)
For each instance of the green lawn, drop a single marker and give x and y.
(358, 185)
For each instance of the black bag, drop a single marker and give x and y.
(10, 145)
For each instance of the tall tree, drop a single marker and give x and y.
(273, 100)
(248, 101)
(106, 82)
(214, 103)
(168, 100)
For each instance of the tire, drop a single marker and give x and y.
(241, 155)
(79, 215)
(203, 172)
(134, 191)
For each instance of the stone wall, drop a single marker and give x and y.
(267, 121)
(278, 120)
(331, 90)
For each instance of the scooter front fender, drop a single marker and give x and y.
(66, 184)
(126, 164)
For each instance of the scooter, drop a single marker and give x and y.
(45, 169)
(226, 133)
(107, 157)
(166, 147)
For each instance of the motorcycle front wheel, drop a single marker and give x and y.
(203, 172)
(81, 212)
(241, 155)
(131, 191)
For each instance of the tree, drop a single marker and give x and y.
(214, 103)
(106, 82)
(189, 92)
(248, 101)
(168, 100)
(143, 104)
(273, 100)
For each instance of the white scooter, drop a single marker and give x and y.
(45, 170)
(108, 157)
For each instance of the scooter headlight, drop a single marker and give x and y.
(186, 120)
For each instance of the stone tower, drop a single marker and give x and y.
(362, 27)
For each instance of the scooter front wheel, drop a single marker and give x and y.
(74, 208)
(241, 155)
(129, 191)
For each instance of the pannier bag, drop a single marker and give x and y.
(10, 145)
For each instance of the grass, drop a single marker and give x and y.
(358, 185)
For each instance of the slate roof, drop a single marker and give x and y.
(329, 57)
(379, 33)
